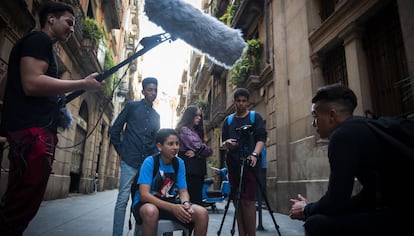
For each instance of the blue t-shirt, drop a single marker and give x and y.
(146, 172)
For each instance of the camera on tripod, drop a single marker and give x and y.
(244, 132)
(244, 140)
(246, 143)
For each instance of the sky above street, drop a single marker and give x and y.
(166, 62)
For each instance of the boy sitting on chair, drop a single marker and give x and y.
(157, 196)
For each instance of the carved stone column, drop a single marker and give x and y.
(357, 68)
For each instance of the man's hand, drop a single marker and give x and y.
(90, 82)
(298, 207)
(252, 160)
(190, 153)
(183, 212)
(230, 143)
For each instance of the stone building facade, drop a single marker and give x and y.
(367, 45)
(85, 161)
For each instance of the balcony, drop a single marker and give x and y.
(218, 105)
(194, 96)
(184, 77)
(203, 75)
(112, 12)
(218, 111)
(82, 49)
(219, 7)
(257, 81)
(181, 102)
(194, 61)
(21, 21)
(248, 14)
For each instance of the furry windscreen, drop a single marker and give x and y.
(221, 43)
(64, 118)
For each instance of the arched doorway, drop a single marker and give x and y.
(78, 151)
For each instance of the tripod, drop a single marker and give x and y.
(243, 162)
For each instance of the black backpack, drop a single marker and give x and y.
(135, 185)
(397, 133)
(396, 136)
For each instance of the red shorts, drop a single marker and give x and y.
(31, 156)
(248, 186)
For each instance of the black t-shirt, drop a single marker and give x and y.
(22, 111)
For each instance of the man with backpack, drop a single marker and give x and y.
(163, 191)
(376, 153)
(244, 137)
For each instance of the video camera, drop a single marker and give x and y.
(246, 141)
(244, 135)
(244, 130)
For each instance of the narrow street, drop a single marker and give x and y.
(90, 215)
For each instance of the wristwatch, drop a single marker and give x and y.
(187, 202)
(255, 154)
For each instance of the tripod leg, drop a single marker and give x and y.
(236, 206)
(262, 177)
(224, 216)
(267, 205)
(259, 212)
(237, 197)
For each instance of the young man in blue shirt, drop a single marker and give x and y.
(157, 195)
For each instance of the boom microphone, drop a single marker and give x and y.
(148, 43)
(221, 43)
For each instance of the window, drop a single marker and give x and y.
(326, 8)
(334, 66)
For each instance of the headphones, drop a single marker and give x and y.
(51, 20)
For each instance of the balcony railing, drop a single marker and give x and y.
(112, 12)
(203, 75)
(247, 14)
(219, 7)
(218, 104)
(82, 49)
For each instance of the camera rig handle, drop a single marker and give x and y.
(147, 42)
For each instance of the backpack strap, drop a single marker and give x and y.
(135, 185)
(252, 115)
(156, 158)
(175, 165)
(230, 119)
(157, 165)
(264, 152)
